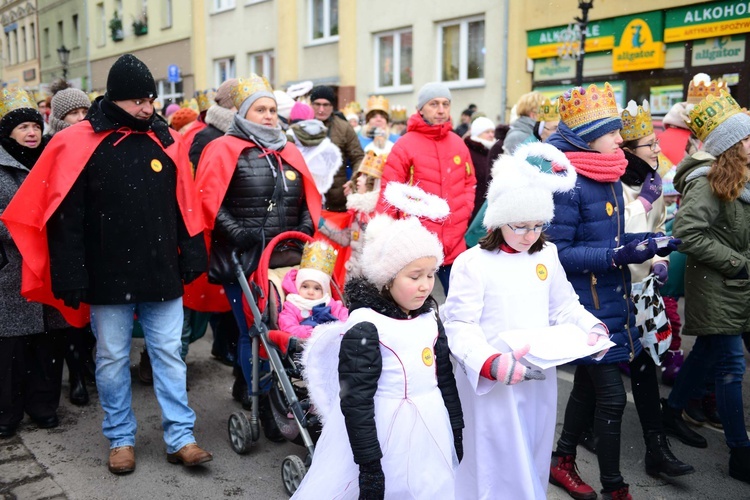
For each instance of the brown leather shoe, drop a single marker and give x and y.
(190, 455)
(121, 460)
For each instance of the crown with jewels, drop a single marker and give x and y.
(711, 112)
(352, 107)
(548, 111)
(372, 165)
(320, 256)
(636, 121)
(248, 86)
(205, 98)
(377, 103)
(586, 105)
(15, 98)
(398, 114)
(701, 86)
(192, 104)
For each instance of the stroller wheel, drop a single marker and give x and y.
(240, 433)
(292, 471)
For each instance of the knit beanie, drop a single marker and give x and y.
(315, 275)
(391, 245)
(130, 78)
(520, 192)
(284, 104)
(481, 125)
(300, 112)
(67, 100)
(322, 92)
(432, 91)
(18, 116)
(171, 109)
(590, 113)
(727, 134)
(678, 115)
(223, 95)
(182, 117)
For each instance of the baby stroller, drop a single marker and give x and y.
(290, 404)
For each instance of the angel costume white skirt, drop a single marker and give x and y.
(413, 426)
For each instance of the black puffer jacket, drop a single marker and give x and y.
(256, 195)
(360, 364)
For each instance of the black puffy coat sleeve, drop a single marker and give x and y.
(228, 227)
(446, 380)
(360, 365)
(66, 240)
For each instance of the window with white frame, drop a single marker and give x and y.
(101, 25)
(32, 45)
(45, 42)
(461, 50)
(166, 14)
(393, 59)
(169, 92)
(221, 5)
(263, 63)
(324, 20)
(223, 70)
(76, 32)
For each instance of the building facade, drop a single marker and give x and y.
(20, 46)
(63, 27)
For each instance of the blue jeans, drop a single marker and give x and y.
(724, 355)
(162, 327)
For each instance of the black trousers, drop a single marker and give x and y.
(645, 387)
(30, 376)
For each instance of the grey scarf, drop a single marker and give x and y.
(266, 137)
(703, 171)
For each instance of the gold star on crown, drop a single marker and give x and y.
(586, 105)
(711, 112)
(320, 256)
(636, 121)
(204, 98)
(701, 87)
(548, 112)
(15, 98)
(372, 165)
(248, 86)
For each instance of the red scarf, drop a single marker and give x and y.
(599, 166)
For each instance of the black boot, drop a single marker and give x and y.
(144, 369)
(675, 426)
(659, 458)
(739, 464)
(240, 391)
(79, 395)
(265, 415)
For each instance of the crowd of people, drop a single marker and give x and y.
(550, 229)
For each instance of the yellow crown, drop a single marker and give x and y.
(548, 112)
(700, 87)
(377, 103)
(372, 165)
(15, 98)
(192, 104)
(586, 105)
(636, 121)
(398, 113)
(352, 107)
(248, 86)
(204, 98)
(320, 256)
(710, 113)
(38, 95)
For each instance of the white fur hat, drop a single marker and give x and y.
(520, 192)
(391, 245)
(319, 277)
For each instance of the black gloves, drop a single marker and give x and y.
(632, 254)
(71, 298)
(371, 481)
(458, 443)
(190, 276)
(742, 275)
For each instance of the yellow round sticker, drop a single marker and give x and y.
(610, 209)
(155, 165)
(457, 160)
(541, 272)
(290, 174)
(427, 358)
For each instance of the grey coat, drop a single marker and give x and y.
(520, 130)
(17, 316)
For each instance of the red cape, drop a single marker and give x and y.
(189, 136)
(217, 162)
(47, 185)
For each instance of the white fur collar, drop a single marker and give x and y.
(363, 202)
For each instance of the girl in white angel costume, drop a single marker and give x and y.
(512, 280)
(383, 381)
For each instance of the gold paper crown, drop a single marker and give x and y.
(398, 113)
(320, 256)
(377, 103)
(15, 98)
(700, 88)
(636, 121)
(204, 99)
(710, 113)
(372, 165)
(192, 104)
(548, 112)
(587, 105)
(352, 108)
(38, 95)
(248, 86)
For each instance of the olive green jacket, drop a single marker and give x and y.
(716, 239)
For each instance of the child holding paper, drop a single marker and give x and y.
(512, 280)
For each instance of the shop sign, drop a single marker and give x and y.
(663, 97)
(720, 50)
(554, 68)
(707, 20)
(545, 42)
(639, 43)
(29, 74)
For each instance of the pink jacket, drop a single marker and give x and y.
(291, 317)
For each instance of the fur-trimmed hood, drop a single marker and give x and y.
(363, 202)
(361, 293)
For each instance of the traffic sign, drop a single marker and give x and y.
(173, 73)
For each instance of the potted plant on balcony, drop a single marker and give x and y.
(140, 25)
(115, 28)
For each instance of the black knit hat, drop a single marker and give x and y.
(18, 116)
(130, 78)
(322, 92)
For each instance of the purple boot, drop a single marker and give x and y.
(671, 366)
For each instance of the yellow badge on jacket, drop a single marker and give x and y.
(290, 174)
(457, 160)
(610, 209)
(541, 271)
(427, 357)
(156, 165)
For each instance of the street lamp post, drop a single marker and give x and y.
(583, 21)
(64, 54)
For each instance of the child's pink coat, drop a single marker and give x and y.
(290, 316)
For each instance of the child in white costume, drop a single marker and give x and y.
(392, 416)
(512, 280)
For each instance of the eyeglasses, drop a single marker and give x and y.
(322, 105)
(525, 230)
(652, 145)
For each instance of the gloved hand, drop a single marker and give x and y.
(190, 276)
(594, 337)
(71, 298)
(371, 481)
(458, 443)
(650, 190)
(661, 272)
(671, 247)
(506, 368)
(247, 238)
(742, 275)
(629, 254)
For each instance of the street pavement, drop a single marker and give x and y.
(70, 461)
